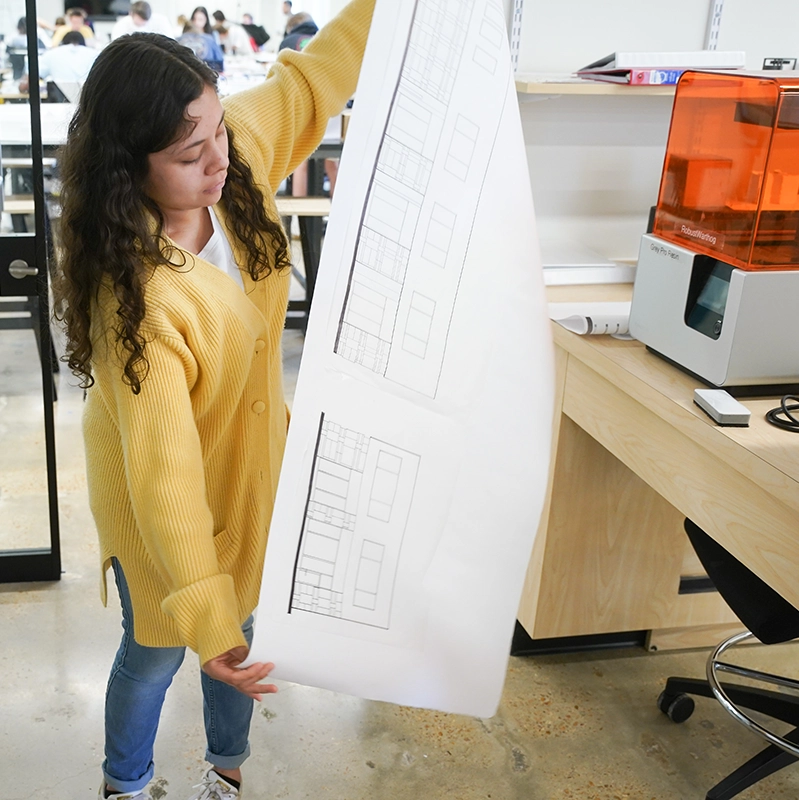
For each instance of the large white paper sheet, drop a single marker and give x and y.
(418, 450)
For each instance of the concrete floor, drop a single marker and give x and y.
(570, 726)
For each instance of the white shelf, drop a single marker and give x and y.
(556, 84)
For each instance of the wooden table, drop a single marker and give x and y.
(15, 123)
(13, 96)
(633, 457)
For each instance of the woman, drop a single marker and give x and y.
(200, 20)
(204, 46)
(165, 190)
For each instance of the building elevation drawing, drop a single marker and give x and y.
(402, 290)
(417, 457)
(358, 506)
(435, 151)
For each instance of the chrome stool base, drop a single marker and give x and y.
(715, 666)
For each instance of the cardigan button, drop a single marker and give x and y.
(259, 406)
(259, 345)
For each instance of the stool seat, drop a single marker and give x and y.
(772, 620)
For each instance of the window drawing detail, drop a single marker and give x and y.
(435, 146)
(358, 504)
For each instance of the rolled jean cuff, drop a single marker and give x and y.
(227, 762)
(130, 786)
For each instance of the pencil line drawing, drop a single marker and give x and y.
(422, 200)
(359, 499)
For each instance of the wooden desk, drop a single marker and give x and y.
(633, 457)
(13, 96)
(309, 212)
(15, 125)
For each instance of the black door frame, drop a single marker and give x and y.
(35, 564)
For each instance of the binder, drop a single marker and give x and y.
(638, 77)
(654, 77)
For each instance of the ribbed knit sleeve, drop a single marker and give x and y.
(163, 459)
(285, 118)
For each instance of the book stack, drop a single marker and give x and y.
(663, 69)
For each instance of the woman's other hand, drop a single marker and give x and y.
(248, 681)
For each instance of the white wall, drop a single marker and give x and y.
(595, 165)
(564, 36)
(762, 28)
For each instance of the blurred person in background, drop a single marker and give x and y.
(257, 33)
(75, 21)
(286, 10)
(204, 46)
(232, 37)
(142, 19)
(69, 63)
(19, 41)
(201, 21)
(300, 29)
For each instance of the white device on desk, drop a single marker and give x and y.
(722, 408)
(717, 285)
(728, 326)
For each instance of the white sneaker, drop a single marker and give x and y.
(215, 787)
(122, 795)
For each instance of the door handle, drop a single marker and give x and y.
(21, 269)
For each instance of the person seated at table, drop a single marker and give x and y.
(75, 21)
(142, 19)
(300, 29)
(233, 39)
(257, 33)
(17, 48)
(201, 21)
(20, 40)
(203, 45)
(67, 66)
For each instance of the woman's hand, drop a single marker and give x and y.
(225, 668)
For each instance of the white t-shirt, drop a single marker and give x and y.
(237, 41)
(219, 252)
(157, 23)
(67, 63)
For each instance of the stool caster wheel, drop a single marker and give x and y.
(677, 707)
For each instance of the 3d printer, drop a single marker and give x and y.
(717, 284)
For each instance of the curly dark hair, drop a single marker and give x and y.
(134, 103)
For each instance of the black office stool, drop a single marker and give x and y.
(772, 620)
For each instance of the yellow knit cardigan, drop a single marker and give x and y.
(182, 477)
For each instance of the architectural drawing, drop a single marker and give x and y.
(408, 499)
(358, 503)
(437, 145)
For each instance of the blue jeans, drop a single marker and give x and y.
(137, 686)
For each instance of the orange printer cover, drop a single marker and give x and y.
(730, 184)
